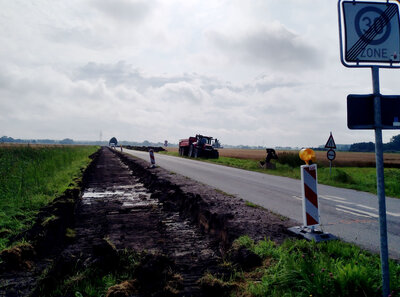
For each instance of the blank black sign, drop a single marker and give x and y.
(360, 112)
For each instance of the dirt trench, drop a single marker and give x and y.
(188, 227)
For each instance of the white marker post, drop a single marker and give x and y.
(310, 195)
(152, 159)
(311, 218)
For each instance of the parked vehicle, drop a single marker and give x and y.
(198, 146)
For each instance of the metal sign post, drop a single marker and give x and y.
(380, 184)
(372, 39)
(331, 154)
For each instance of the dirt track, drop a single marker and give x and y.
(129, 206)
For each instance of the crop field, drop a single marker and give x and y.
(343, 159)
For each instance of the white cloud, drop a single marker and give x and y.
(258, 72)
(124, 10)
(269, 45)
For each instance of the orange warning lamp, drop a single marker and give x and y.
(307, 155)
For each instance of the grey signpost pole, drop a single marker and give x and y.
(381, 31)
(380, 183)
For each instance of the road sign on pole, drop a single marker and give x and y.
(372, 39)
(330, 143)
(371, 33)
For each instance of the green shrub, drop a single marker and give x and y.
(341, 176)
(291, 159)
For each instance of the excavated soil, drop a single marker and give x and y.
(183, 225)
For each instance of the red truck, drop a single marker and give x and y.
(198, 146)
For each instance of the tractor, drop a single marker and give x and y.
(198, 146)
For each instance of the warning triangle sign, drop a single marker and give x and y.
(330, 143)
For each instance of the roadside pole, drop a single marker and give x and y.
(365, 28)
(152, 159)
(380, 183)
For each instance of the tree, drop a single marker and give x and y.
(362, 147)
(395, 142)
(67, 141)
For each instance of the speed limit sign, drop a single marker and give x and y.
(371, 31)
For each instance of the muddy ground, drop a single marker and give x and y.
(183, 230)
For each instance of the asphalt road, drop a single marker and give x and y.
(348, 214)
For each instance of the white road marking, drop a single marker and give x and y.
(393, 214)
(334, 199)
(387, 212)
(350, 212)
(367, 207)
(330, 197)
(360, 211)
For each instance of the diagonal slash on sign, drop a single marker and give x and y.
(371, 33)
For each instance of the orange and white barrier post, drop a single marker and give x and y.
(309, 184)
(310, 195)
(152, 160)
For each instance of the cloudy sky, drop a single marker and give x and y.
(257, 72)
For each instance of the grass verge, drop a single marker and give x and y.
(302, 268)
(93, 281)
(31, 177)
(356, 178)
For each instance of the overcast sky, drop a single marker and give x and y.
(257, 72)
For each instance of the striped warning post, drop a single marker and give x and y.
(152, 160)
(310, 195)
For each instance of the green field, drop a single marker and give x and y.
(31, 177)
(357, 178)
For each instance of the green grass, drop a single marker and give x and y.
(92, 281)
(357, 178)
(31, 178)
(302, 268)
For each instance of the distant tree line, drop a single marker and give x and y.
(392, 146)
(6, 139)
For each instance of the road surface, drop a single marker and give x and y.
(348, 214)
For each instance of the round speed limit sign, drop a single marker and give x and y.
(371, 31)
(331, 155)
